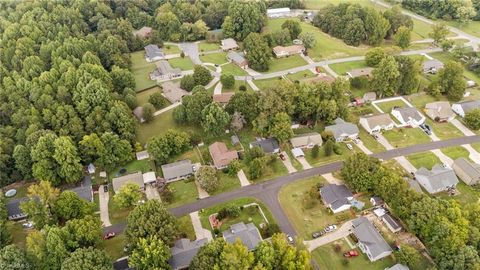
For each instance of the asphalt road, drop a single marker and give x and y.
(267, 191)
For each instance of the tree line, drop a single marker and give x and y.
(459, 10)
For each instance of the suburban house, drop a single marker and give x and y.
(278, 12)
(135, 178)
(375, 123)
(432, 66)
(376, 201)
(13, 209)
(221, 156)
(153, 53)
(463, 108)
(408, 116)
(238, 59)
(359, 72)
(437, 180)
(85, 190)
(173, 92)
(307, 140)
(336, 197)
(281, 51)
(183, 252)
(142, 155)
(439, 111)
(322, 77)
(138, 112)
(467, 171)
(392, 224)
(268, 146)
(343, 130)
(229, 44)
(398, 267)
(370, 241)
(149, 177)
(164, 71)
(143, 32)
(223, 98)
(247, 233)
(177, 170)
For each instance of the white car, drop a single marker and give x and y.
(330, 228)
(28, 225)
(349, 146)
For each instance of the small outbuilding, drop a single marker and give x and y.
(142, 155)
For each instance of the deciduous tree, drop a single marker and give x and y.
(14, 258)
(207, 178)
(472, 119)
(70, 206)
(150, 253)
(385, 77)
(41, 200)
(214, 119)
(128, 195)
(201, 75)
(280, 127)
(402, 37)
(87, 259)
(439, 33)
(258, 52)
(68, 159)
(227, 80)
(308, 39)
(293, 28)
(451, 81)
(164, 146)
(359, 172)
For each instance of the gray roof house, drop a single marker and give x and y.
(184, 251)
(391, 223)
(463, 108)
(229, 44)
(135, 178)
(370, 241)
(153, 53)
(409, 116)
(376, 122)
(177, 170)
(173, 92)
(336, 197)
(247, 233)
(432, 66)
(467, 171)
(238, 59)
(398, 267)
(343, 130)
(85, 191)
(439, 111)
(143, 32)
(269, 145)
(165, 71)
(307, 140)
(437, 180)
(13, 209)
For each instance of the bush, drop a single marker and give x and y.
(269, 230)
(182, 54)
(227, 80)
(327, 135)
(201, 75)
(337, 248)
(242, 88)
(472, 119)
(207, 178)
(157, 100)
(148, 111)
(187, 83)
(179, 115)
(167, 194)
(233, 168)
(337, 149)
(315, 151)
(228, 211)
(329, 148)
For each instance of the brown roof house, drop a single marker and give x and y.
(164, 71)
(143, 32)
(359, 72)
(229, 44)
(281, 51)
(308, 140)
(173, 92)
(467, 171)
(322, 77)
(223, 98)
(221, 155)
(376, 122)
(238, 59)
(440, 111)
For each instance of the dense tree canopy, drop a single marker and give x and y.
(87, 259)
(462, 10)
(245, 17)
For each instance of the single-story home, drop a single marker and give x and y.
(164, 71)
(432, 66)
(153, 53)
(297, 152)
(467, 171)
(343, 130)
(223, 98)
(408, 116)
(281, 51)
(439, 111)
(247, 233)
(360, 72)
(380, 211)
(13, 209)
(183, 252)
(238, 59)
(149, 177)
(221, 156)
(336, 197)
(85, 190)
(143, 32)
(376, 201)
(392, 224)
(463, 108)
(173, 92)
(307, 140)
(278, 12)
(229, 44)
(138, 112)
(370, 241)
(177, 170)
(436, 180)
(375, 123)
(268, 146)
(142, 155)
(135, 178)
(398, 267)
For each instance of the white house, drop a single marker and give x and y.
(409, 116)
(375, 123)
(278, 12)
(436, 180)
(464, 107)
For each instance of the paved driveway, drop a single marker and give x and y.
(304, 163)
(152, 193)
(340, 233)
(443, 158)
(243, 178)
(103, 198)
(288, 163)
(332, 179)
(200, 232)
(474, 155)
(191, 50)
(462, 127)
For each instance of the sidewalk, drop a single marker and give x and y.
(218, 89)
(253, 85)
(200, 232)
(157, 113)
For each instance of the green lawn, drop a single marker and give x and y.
(425, 159)
(455, 152)
(186, 227)
(266, 83)
(183, 63)
(184, 191)
(444, 131)
(476, 146)
(472, 27)
(206, 46)
(117, 213)
(322, 159)
(18, 233)
(227, 183)
(271, 170)
(300, 76)
(114, 246)
(215, 58)
(20, 187)
(141, 70)
(405, 137)
(236, 86)
(387, 106)
(342, 68)
(134, 166)
(421, 99)
(468, 194)
(369, 142)
(171, 49)
(142, 97)
(233, 69)
(279, 64)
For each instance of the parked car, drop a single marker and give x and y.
(351, 253)
(330, 228)
(282, 156)
(27, 225)
(425, 129)
(109, 235)
(290, 239)
(349, 146)
(105, 188)
(318, 234)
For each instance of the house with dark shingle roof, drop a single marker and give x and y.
(134, 178)
(183, 252)
(268, 146)
(85, 190)
(247, 233)
(436, 180)
(370, 241)
(153, 53)
(392, 224)
(336, 197)
(463, 108)
(177, 170)
(467, 171)
(229, 44)
(165, 71)
(173, 92)
(13, 209)
(343, 130)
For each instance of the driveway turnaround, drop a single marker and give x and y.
(200, 232)
(103, 198)
(288, 163)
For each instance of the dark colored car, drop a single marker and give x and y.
(105, 188)
(282, 157)
(318, 234)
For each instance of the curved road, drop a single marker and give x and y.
(267, 191)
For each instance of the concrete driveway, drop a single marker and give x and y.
(362, 147)
(304, 163)
(443, 158)
(191, 50)
(474, 155)
(340, 233)
(200, 232)
(462, 128)
(287, 163)
(243, 178)
(332, 179)
(152, 193)
(103, 201)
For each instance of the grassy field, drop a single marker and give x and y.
(114, 246)
(300, 76)
(421, 99)
(233, 69)
(322, 158)
(387, 106)
(265, 83)
(278, 64)
(142, 97)
(342, 68)
(171, 49)
(206, 46)
(455, 152)
(236, 86)
(271, 170)
(425, 159)
(444, 131)
(134, 166)
(141, 70)
(370, 142)
(215, 58)
(405, 137)
(472, 27)
(227, 183)
(468, 194)
(183, 63)
(186, 227)
(183, 192)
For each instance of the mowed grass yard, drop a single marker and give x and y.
(387, 106)
(405, 137)
(455, 152)
(208, 46)
(343, 68)
(142, 97)
(444, 131)
(141, 70)
(301, 76)
(369, 142)
(215, 58)
(266, 83)
(424, 159)
(284, 63)
(183, 63)
(233, 69)
(184, 191)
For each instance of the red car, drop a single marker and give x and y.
(282, 157)
(108, 235)
(351, 253)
